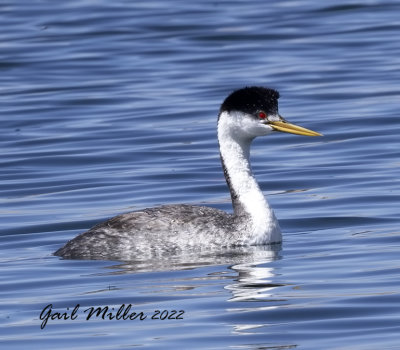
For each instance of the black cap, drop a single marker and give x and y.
(251, 100)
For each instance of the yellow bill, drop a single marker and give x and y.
(292, 129)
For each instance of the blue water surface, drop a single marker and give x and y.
(108, 107)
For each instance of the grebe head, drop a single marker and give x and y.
(253, 111)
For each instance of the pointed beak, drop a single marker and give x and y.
(284, 126)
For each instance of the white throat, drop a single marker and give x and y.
(236, 131)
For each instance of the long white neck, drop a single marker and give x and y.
(248, 200)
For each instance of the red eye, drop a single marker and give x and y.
(262, 115)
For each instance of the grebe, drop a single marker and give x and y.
(244, 115)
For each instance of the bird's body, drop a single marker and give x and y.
(244, 115)
(128, 236)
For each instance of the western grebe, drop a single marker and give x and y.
(244, 115)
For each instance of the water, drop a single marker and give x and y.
(108, 107)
